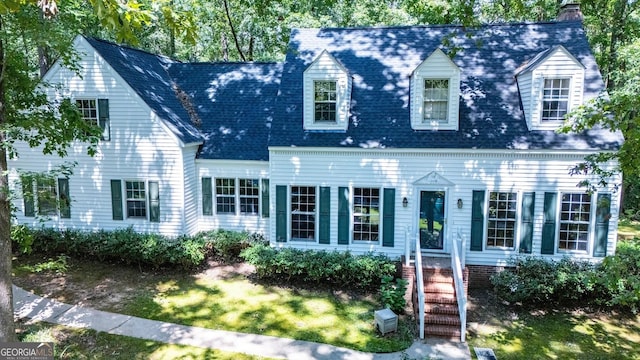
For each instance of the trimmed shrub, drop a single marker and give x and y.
(129, 247)
(619, 276)
(341, 269)
(537, 281)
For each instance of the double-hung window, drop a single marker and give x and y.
(226, 196)
(47, 196)
(366, 214)
(249, 196)
(501, 219)
(555, 99)
(575, 216)
(435, 100)
(136, 199)
(96, 113)
(303, 213)
(325, 100)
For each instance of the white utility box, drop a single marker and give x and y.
(386, 320)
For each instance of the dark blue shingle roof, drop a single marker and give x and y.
(147, 75)
(235, 103)
(381, 60)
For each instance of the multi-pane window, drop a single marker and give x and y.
(249, 196)
(325, 101)
(575, 215)
(501, 219)
(47, 196)
(89, 110)
(366, 214)
(555, 99)
(303, 213)
(136, 199)
(436, 100)
(226, 196)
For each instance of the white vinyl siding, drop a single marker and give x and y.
(428, 100)
(141, 147)
(559, 64)
(325, 70)
(458, 173)
(239, 170)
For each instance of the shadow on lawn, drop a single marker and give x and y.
(562, 335)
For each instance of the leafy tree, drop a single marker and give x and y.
(25, 112)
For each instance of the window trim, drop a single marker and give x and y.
(125, 199)
(544, 99)
(334, 84)
(435, 122)
(517, 220)
(233, 197)
(590, 224)
(237, 197)
(106, 127)
(352, 215)
(315, 214)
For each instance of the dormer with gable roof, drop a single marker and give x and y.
(551, 84)
(327, 94)
(435, 89)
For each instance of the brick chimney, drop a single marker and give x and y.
(570, 11)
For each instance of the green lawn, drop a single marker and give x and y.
(561, 335)
(230, 302)
(89, 344)
(239, 305)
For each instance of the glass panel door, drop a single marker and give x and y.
(432, 220)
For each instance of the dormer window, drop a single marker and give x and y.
(550, 85)
(435, 93)
(555, 99)
(325, 96)
(436, 100)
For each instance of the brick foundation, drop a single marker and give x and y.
(409, 274)
(480, 275)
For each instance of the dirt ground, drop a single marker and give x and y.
(108, 286)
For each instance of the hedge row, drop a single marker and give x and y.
(341, 269)
(567, 282)
(130, 247)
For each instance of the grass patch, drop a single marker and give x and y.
(239, 305)
(628, 229)
(561, 335)
(89, 344)
(225, 300)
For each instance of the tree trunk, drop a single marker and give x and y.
(233, 30)
(7, 327)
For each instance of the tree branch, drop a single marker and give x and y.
(233, 30)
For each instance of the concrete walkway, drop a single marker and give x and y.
(36, 308)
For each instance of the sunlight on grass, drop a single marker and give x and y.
(239, 305)
(629, 229)
(563, 336)
(89, 344)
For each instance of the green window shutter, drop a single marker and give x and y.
(154, 201)
(65, 202)
(281, 213)
(207, 196)
(388, 217)
(103, 118)
(28, 196)
(324, 228)
(549, 224)
(603, 214)
(265, 198)
(477, 220)
(116, 199)
(526, 223)
(343, 216)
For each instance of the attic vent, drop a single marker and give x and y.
(185, 100)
